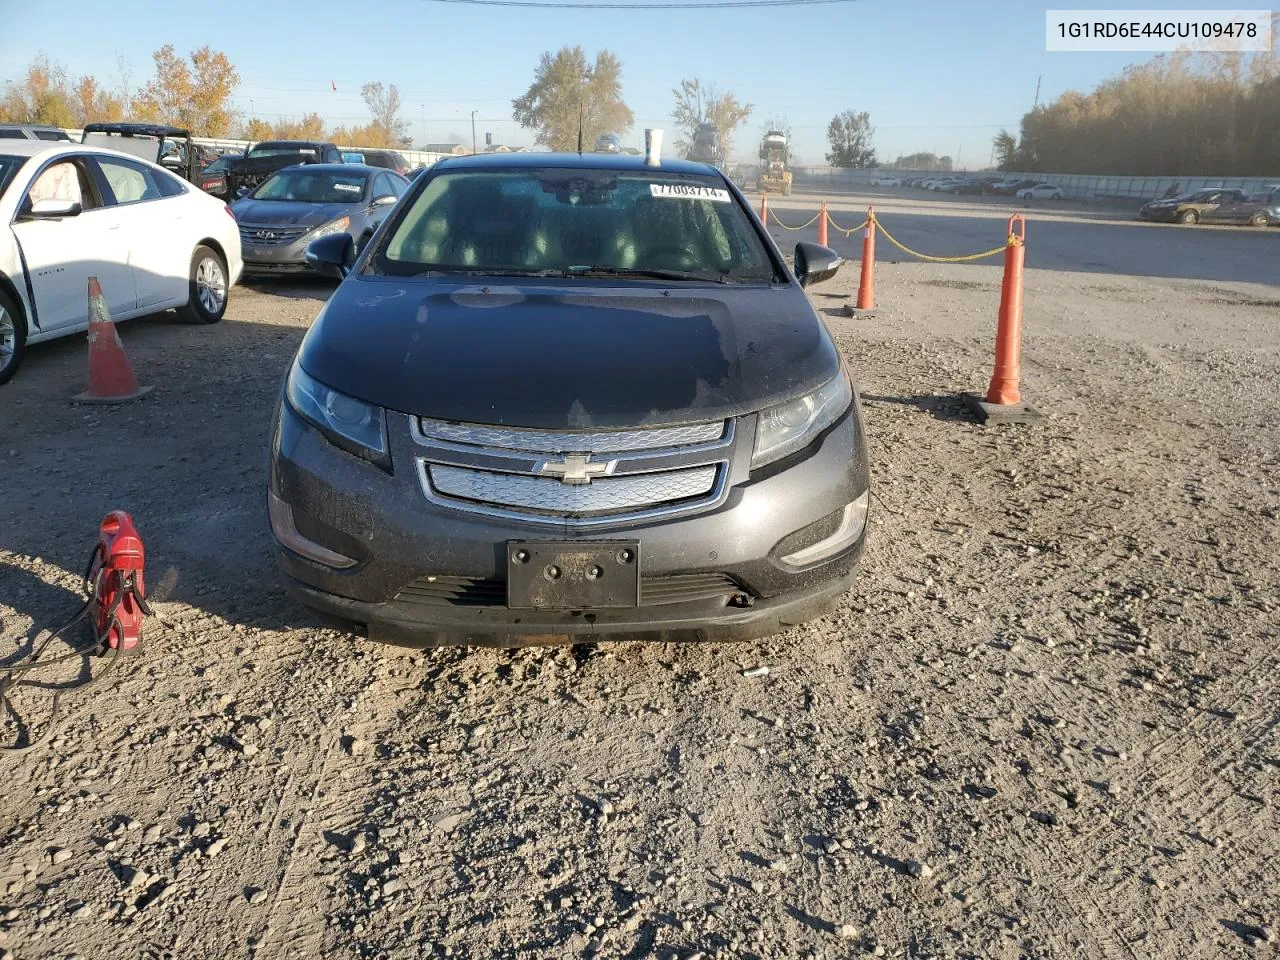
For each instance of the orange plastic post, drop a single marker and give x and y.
(867, 284)
(764, 209)
(822, 224)
(1004, 382)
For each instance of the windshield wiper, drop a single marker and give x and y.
(603, 271)
(481, 272)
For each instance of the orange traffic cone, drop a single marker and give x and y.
(866, 303)
(1003, 402)
(822, 225)
(764, 209)
(111, 378)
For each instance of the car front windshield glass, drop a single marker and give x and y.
(282, 150)
(306, 186)
(556, 221)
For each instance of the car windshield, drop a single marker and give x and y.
(309, 186)
(282, 149)
(8, 167)
(577, 222)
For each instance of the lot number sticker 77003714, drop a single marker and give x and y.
(689, 191)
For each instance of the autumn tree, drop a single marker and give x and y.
(570, 97)
(1006, 148)
(195, 95)
(849, 134)
(697, 103)
(387, 128)
(43, 95)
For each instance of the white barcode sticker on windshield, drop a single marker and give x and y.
(348, 187)
(689, 191)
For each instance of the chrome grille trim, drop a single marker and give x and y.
(654, 481)
(248, 234)
(568, 441)
(548, 494)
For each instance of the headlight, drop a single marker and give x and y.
(337, 226)
(352, 424)
(791, 426)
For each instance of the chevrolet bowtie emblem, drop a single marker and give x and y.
(576, 468)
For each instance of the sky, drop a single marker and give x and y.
(934, 76)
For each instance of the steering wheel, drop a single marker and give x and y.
(671, 257)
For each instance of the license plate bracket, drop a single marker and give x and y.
(573, 574)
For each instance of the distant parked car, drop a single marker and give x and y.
(1216, 205)
(387, 159)
(1009, 188)
(213, 178)
(32, 131)
(886, 182)
(299, 204)
(943, 184)
(976, 186)
(1041, 191)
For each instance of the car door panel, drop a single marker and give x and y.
(155, 229)
(61, 255)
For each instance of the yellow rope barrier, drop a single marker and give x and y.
(924, 256)
(851, 230)
(773, 216)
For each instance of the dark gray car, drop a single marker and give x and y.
(569, 396)
(302, 203)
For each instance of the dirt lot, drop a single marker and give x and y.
(1044, 724)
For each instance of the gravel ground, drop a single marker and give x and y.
(1044, 723)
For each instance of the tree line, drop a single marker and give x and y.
(571, 99)
(1182, 114)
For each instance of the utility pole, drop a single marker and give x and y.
(1037, 100)
(473, 131)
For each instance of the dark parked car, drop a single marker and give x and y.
(213, 178)
(566, 395)
(265, 158)
(32, 131)
(299, 204)
(1214, 205)
(388, 159)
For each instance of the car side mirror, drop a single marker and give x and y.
(332, 256)
(384, 201)
(815, 263)
(53, 210)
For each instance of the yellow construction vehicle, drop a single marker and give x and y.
(774, 174)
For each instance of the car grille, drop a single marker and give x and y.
(549, 495)
(270, 236)
(573, 477)
(474, 592)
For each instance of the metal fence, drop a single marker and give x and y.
(1073, 186)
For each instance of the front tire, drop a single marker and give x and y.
(13, 337)
(207, 290)
(1188, 217)
(1259, 219)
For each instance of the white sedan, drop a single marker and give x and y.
(69, 212)
(1041, 191)
(886, 182)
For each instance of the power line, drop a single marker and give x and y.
(679, 5)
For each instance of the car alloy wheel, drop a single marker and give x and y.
(211, 285)
(8, 338)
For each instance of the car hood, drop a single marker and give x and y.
(284, 213)
(559, 356)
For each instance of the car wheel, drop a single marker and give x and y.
(207, 296)
(1259, 219)
(13, 337)
(1188, 217)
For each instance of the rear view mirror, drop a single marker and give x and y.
(332, 256)
(815, 263)
(53, 209)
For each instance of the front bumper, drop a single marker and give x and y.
(399, 539)
(284, 258)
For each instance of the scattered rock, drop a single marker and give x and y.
(920, 870)
(846, 931)
(357, 843)
(215, 848)
(61, 855)
(151, 834)
(391, 886)
(256, 895)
